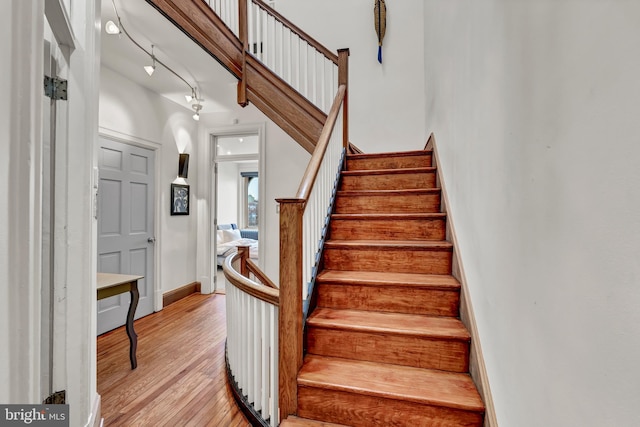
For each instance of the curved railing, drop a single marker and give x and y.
(252, 337)
(263, 362)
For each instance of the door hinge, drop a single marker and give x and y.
(59, 397)
(55, 88)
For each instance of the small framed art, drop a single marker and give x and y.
(179, 199)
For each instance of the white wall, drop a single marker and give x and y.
(387, 111)
(131, 112)
(535, 110)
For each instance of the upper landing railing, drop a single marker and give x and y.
(281, 70)
(290, 53)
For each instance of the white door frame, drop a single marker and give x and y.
(114, 135)
(207, 266)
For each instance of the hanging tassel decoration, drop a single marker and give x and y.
(380, 22)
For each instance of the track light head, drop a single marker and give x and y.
(151, 68)
(197, 107)
(111, 28)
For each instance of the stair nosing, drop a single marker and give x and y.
(388, 192)
(454, 284)
(422, 245)
(412, 153)
(462, 336)
(389, 216)
(396, 171)
(350, 388)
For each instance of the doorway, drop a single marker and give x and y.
(126, 241)
(237, 193)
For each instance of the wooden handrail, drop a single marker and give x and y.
(262, 292)
(295, 29)
(255, 270)
(310, 174)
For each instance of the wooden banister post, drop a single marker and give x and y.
(343, 79)
(290, 319)
(243, 34)
(244, 255)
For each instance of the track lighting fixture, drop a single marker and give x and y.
(113, 28)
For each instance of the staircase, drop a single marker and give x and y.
(384, 344)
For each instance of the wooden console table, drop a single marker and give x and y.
(109, 285)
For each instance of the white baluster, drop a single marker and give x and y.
(273, 413)
(264, 351)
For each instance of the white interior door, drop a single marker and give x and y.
(125, 226)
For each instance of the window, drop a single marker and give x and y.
(250, 203)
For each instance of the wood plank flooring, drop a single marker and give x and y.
(181, 378)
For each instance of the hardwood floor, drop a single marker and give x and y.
(180, 379)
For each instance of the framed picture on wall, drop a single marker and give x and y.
(179, 199)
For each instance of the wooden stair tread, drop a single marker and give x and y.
(389, 278)
(292, 421)
(390, 154)
(388, 216)
(411, 191)
(389, 244)
(389, 323)
(423, 386)
(367, 172)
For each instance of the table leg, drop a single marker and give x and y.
(133, 338)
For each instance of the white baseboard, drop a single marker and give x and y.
(95, 418)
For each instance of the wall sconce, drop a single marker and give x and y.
(183, 165)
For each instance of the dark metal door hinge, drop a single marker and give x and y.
(59, 397)
(55, 88)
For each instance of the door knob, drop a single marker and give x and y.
(151, 240)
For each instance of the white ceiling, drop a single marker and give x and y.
(147, 26)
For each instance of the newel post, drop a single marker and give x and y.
(244, 38)
(343, 79)
(244, 255)
(290, 317)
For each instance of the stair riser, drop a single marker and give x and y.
(422, 161)
(394, 181)
(419, 352)
(382, 203)
(392, 260)
(397, 299)
(388, 229)
(371, 411)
